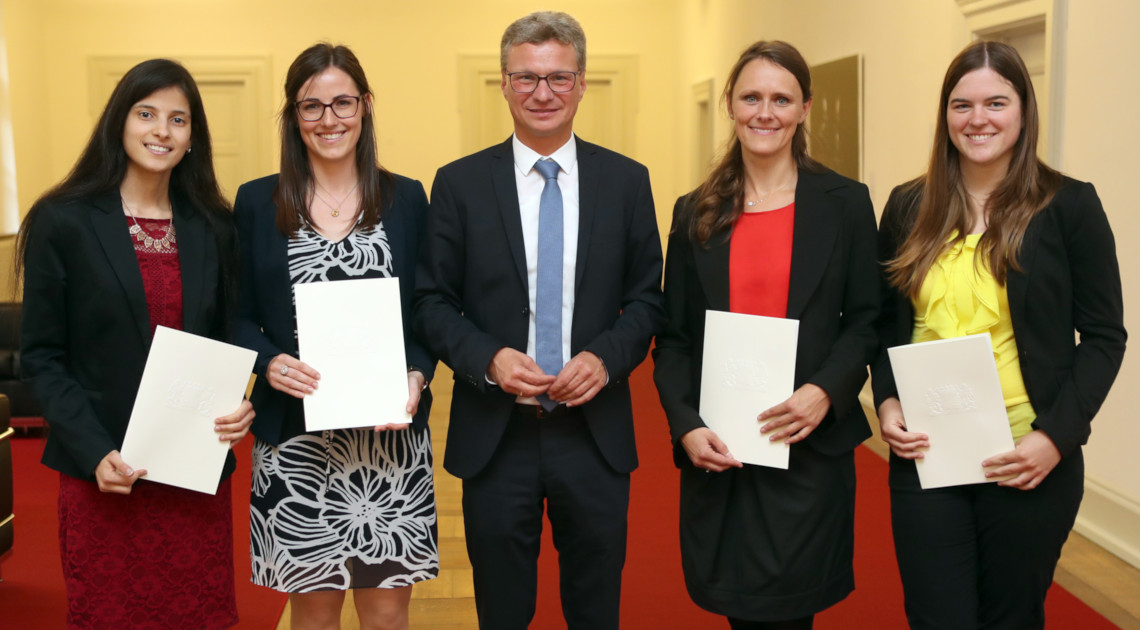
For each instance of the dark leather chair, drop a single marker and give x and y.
(23, 406)
(6, 491)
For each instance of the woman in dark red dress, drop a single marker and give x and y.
(771, 232)
(137, 236)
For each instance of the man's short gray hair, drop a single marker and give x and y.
(543, 26)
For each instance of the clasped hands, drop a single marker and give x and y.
(293, 376)
(115, 476)
(791, 421)
(576, 384)
(1032, 459)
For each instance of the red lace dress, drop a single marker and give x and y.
(160, 557)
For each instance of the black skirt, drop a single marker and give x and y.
(765, 544)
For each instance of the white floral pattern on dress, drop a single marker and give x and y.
(311, 255)
(263, 468)
(354, 495)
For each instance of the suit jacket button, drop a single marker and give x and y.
(526, 310)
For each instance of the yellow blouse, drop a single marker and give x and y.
(958, 299)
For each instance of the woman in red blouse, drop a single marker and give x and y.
(771, 232)
(137, 236)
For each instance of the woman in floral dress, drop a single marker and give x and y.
(336, 509)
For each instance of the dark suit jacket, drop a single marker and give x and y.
(86, 330)
(472, 292)
(833, 292)
(266, 318)
(1069, 280)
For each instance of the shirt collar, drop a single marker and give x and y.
(525, 157)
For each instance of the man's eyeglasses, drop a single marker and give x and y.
(527, 82)
(342, 107)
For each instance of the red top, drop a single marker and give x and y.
(161, 271)
(760, 262)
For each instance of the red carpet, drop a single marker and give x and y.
(32, 595)
(654, 595)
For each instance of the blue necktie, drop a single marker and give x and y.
(548, 293)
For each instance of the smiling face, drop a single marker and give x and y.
(331, 139)
(983, 118)
(543, 119)
(157, 133)
(767, 106)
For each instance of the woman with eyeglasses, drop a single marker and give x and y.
(992, 240)
(341, 509)
(771, 232)
(137, 236)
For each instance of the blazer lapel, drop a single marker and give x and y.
(278, 284)
(393, 226)
(589, 181)
(111, 228)
(816, 226)
(507, 194)
(712, 268)
(1016, 284)
(192, 247)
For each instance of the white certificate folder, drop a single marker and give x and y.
(352, 333)
(950, 390)
(749, 366)
(188, 382)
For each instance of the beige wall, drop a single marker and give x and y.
(408, 49)
(1100, 138)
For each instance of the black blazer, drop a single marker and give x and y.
(266, 318)
(472, 292)
(86, 330)
(833, 292)
(1069, 280)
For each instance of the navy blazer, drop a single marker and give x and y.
(1069, 280)
(833, 292)
(86, 329)
(266, 318)
(472, 292)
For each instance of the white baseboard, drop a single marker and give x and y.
(1111, 519)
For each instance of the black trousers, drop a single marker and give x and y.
(550, 463)
(981, 556)
(804, 623)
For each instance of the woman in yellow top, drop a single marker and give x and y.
(991, 239)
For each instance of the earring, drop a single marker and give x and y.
(188, 149)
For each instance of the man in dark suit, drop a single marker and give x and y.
(540, 288)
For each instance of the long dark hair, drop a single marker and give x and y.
(295, 186)
(102, 166)
(726, 182)
(1027, 187)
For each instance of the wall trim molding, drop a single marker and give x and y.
(1111, 519)
(974, 7)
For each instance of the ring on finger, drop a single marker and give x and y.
(284, 370)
